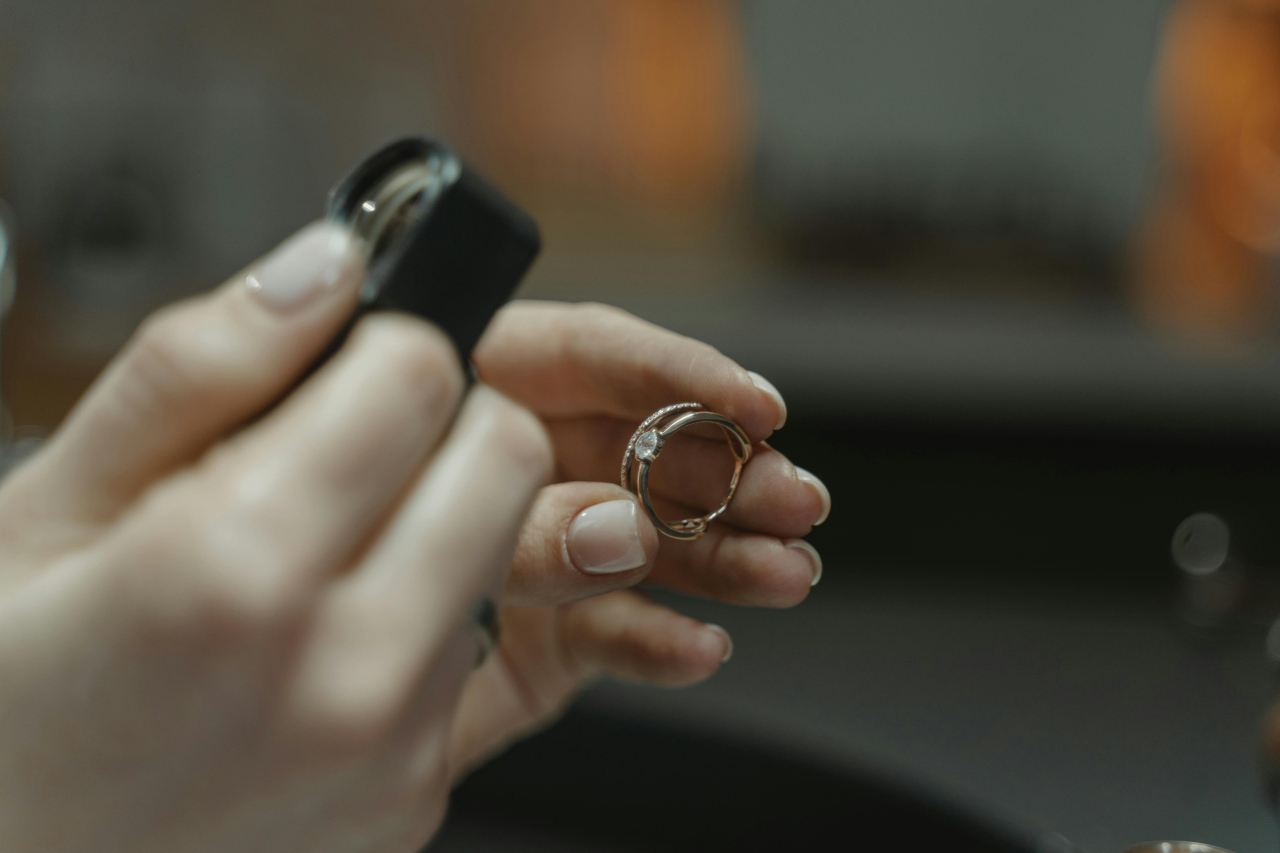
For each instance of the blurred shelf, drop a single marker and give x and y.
(844, 350)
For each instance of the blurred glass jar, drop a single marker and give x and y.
(1207, 256)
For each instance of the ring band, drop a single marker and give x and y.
(647, 442)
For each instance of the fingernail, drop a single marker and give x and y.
(315, 259)
(806, 477)
(605, 538)
(767, 387)
(815, 558)
(728, 641)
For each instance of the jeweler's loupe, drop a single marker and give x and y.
(443, 243)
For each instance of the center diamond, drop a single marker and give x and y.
(647, 446)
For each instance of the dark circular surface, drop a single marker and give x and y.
(599, 783)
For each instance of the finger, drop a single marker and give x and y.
(198, 369)
(405, 765)
(567, 361)
(448, 544)
(580, 540)
(627, 636)
(773, 496)
(293, 498)
(739, 568)
(553, 654)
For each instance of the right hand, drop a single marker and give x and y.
(222, 637)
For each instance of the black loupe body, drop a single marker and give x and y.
(443, 243)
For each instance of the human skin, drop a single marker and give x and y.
(228, 630)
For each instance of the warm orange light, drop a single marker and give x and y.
(640, 99)
(1206, 253)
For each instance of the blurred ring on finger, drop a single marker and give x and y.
(646, 444)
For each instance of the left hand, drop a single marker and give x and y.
(592, 373)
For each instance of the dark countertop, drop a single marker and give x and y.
(1098, 721)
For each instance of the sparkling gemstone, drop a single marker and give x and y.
(647, 446)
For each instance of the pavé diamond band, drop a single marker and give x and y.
(646, 444)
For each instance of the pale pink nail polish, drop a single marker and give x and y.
(815, 559)
(728, 641)
(315, 259)
(605, 538)
(767, 387)
(806, 477)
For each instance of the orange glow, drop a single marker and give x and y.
(639, 99)
(1206, 252)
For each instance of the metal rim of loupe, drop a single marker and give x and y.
(390, 207)
(391, 189)
(1176, 847)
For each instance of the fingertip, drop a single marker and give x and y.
(824, 494)
(784, 572)
(324, 256)
(701, 654)
(774, 395)
(611, 537)
(725, 641)
(811, 553)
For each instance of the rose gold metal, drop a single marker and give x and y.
(646, 444)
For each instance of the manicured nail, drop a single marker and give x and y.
(728, 641)
(315, 259)
(605, 538)
(815, 559)
(806, 477)
(767, 387)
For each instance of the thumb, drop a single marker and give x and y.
(580, 540)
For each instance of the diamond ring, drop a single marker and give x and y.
(646, 444)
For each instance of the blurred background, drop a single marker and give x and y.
(1013, 266)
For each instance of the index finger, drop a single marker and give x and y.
(200, 369)
(589, 359)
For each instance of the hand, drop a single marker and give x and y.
(222, 637)
(592, 373)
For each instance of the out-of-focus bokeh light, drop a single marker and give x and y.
(644, 100)
(1207, 256)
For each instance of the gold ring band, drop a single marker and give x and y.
(647, 442)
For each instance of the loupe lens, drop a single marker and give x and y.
(443, 244)
(391, 192)
(395, 204)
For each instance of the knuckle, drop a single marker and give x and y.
(414, 355)
(213, 575)
(159, 354)
(182, 355)
(354, 712)
(601, 314)
(524, 438)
